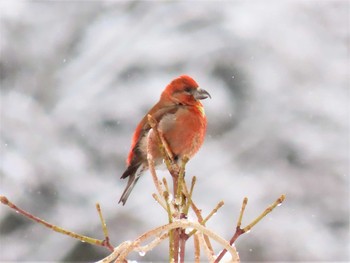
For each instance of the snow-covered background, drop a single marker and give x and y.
(76, 77)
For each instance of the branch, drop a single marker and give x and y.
(163, 145)
(198, 213)
(197, 250)
(240, 231)
(213, 212)
(104, 228)
(269, 209)
(159, 201)
(124, 249)
(90, 240)
(189, 195)
(171, 232)
(151, 167)
(207, 251)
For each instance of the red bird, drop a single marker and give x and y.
(182, 122)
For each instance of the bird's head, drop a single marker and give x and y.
(184, 90)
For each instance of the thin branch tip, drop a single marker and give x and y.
(281, 198)
(245, 200)
(4, 200)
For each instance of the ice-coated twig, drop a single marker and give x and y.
(182, 223)
(205, 247)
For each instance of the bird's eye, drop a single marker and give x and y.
(188, 90)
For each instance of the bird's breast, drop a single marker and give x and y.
(184, 130)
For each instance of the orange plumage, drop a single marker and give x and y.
(182, 122)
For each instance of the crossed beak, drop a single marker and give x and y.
(201, 94)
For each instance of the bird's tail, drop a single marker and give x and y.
(134, 174)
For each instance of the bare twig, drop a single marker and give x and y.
(116, 253)
(197, 250)
(166, 147)
(181, 182)
(163, 145)
(240, 231)
(90, 240)
(263, 214)
(165, 183)
(176, 245)
(244, 204)
(189, 195)
(152, 244)
(205, 247)
(198, 213)
(104, 227)
(152, 169)
(159, 201)
(182, 244)
(213, 212)
(182, 223)
(171, 232)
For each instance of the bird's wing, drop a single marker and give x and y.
(157, 112)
